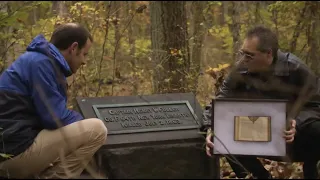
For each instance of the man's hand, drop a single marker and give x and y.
(289, 135)
(209, 144)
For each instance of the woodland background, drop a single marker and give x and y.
(148, 47)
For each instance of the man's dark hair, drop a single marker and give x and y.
(66, 34)
(267, 39)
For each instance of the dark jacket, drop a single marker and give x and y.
(289, 79)
(32, 94)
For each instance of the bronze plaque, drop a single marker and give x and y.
(147, 117)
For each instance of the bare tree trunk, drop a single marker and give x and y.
(313, 47)
(198, 33)
(132, 43)
(209, 19)
(33, 16)
(221, 13)
(3, 45)
(131, 33)
(59, 8)
(116, 7)
(169, 45)
(275, 21)
(233, 12)
(297, 30)
(257, 12)
(313, 38)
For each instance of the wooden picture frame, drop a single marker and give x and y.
(226, 115)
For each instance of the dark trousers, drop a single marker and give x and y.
(305, 148)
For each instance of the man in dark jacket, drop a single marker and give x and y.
(265, 72)
(42, 137)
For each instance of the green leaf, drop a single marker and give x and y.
(7, 156)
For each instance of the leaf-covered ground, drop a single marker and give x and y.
(279, 170)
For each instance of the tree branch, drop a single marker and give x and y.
(103, 46)
(12, 13)
(114, 52)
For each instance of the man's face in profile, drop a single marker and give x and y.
(251, 58)
(78, 56)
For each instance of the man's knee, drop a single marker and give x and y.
(97, 128)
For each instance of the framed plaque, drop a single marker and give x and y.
(252, 128)
(249, 127)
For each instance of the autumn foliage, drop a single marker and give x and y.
(121, 61)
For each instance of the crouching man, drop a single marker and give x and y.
(40, 135)
(264, 72)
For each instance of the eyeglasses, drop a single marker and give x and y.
(245, 55)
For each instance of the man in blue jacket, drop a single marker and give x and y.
(42, 137)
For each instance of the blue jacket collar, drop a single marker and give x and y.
(41, 45)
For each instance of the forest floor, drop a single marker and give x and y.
(279, 170)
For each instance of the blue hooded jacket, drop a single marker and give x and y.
(33, 96)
